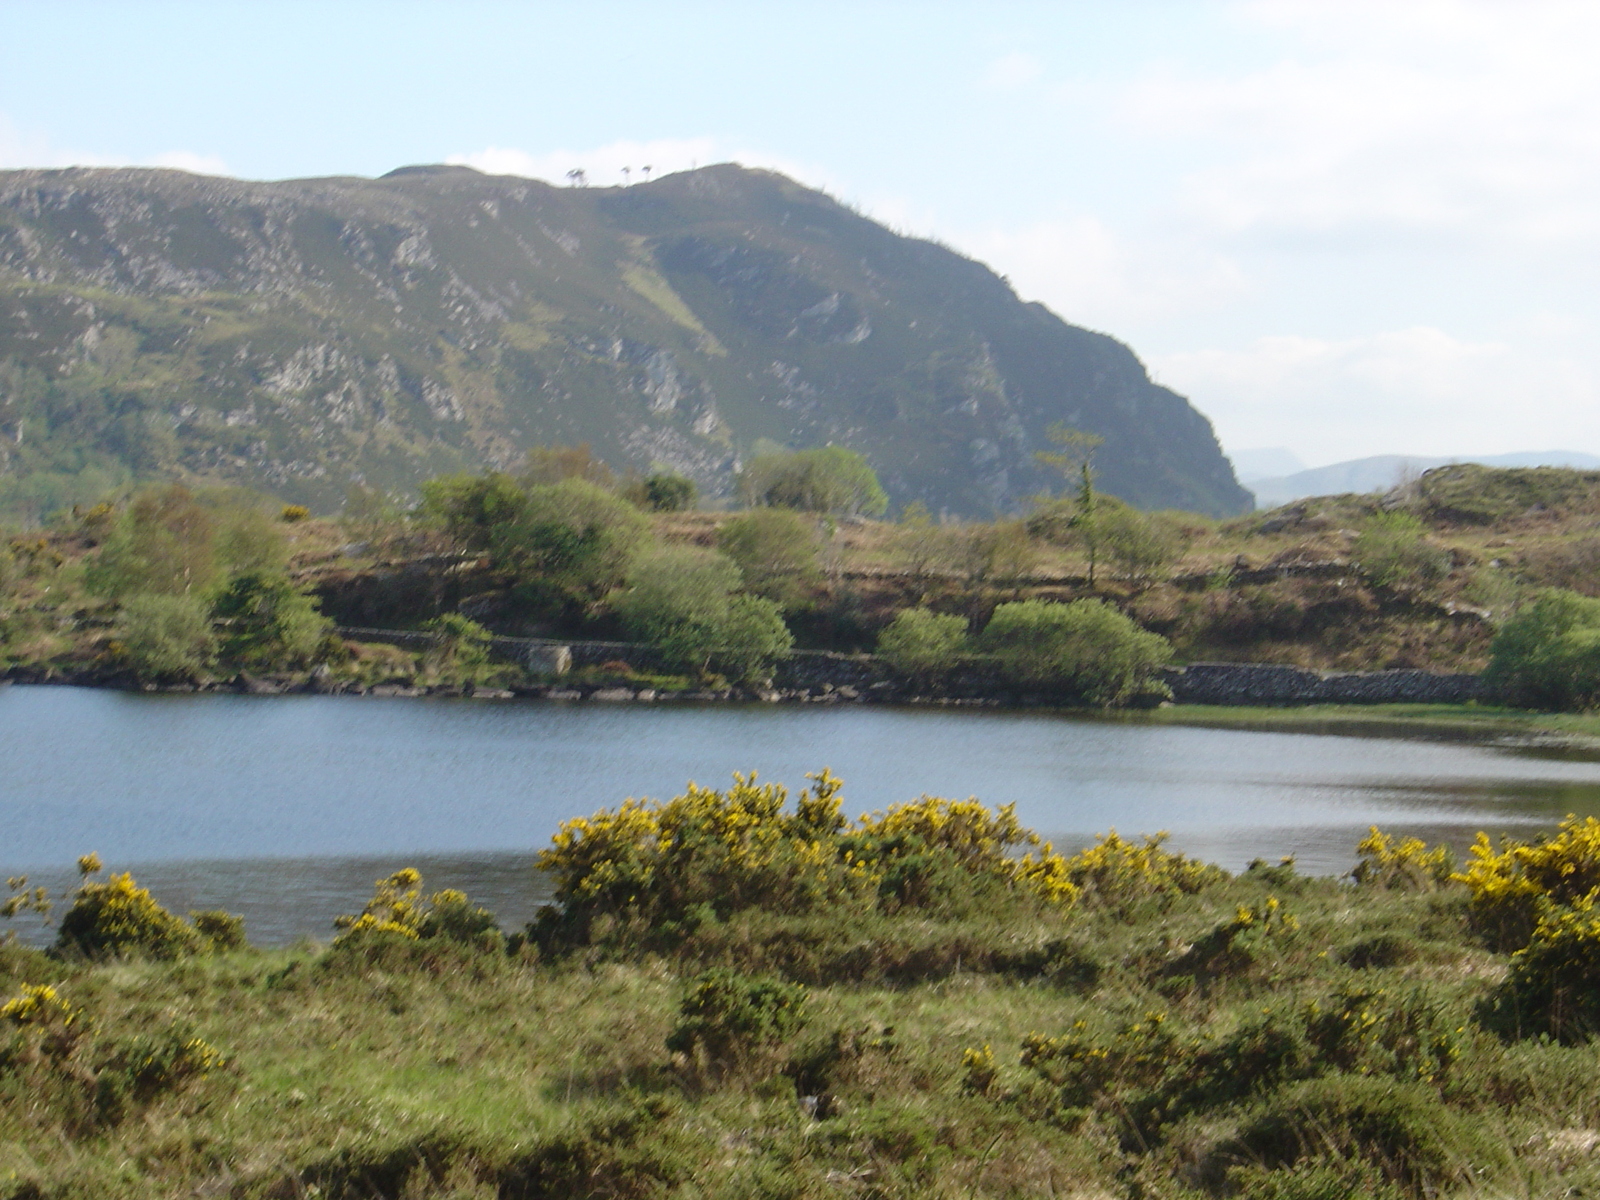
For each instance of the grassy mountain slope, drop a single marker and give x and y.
(302, 335)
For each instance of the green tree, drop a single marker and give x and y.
(922, 643)
(162, 543)
(1075, 460)
(1086, 650)
(776, 550)
(269, 624)
(665, 492)
(470, 508)
(1547, 656)
(827, 479)
(570, 544)
(460, 653)
(682, 600)
(167, 637)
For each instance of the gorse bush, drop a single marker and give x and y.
(1407, 863)
(120, 917)
(1510, 886)
(665, 869)
(1115, 872)
(1554, 983)
(399, 909)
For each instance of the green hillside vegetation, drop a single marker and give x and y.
(304, 336)
(178, 587)
(741, 993)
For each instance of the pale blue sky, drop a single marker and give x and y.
(1344, 228)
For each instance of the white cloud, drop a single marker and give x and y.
(20, 149)
(1012, 71)
(1409, 391)
(184, 160)
(1092, 274)
(1476, 120)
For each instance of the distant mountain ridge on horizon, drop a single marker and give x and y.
(302, 335)
(1383, 471)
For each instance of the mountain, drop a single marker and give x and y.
(305, 334)
(1384, 471)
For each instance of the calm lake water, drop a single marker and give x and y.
(286, 808)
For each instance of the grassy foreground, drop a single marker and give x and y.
(743, 996)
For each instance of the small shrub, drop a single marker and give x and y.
(1142, 545)
(222, 931)
(923, 644)
(728, 1018)
(1547, 656)
(979, 1071)
(1402, 1131)
(293, 514)
(460, 651)
(268, 623)
(138, 1070)
(1393, 552)
(681, 600)
(398, 910)
(828, 479)
(1232, 947)
(167, 636)
(1406, 865)
(1085, 650)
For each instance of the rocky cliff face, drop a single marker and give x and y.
(308, 334)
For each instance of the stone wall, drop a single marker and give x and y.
(1260, 683)
(822, 670)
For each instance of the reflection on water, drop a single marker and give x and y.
(285, 809)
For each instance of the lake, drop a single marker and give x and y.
(286, 808)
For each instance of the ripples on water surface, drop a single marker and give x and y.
(285, 809)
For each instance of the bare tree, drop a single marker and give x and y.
(578, 177)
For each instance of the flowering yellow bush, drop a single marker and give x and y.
(1407, 864)
(39, 1005)
(705, 854)
(397, 907)
(119, 916)
(1115, 870)
(1555, 978)
(1511, 886)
